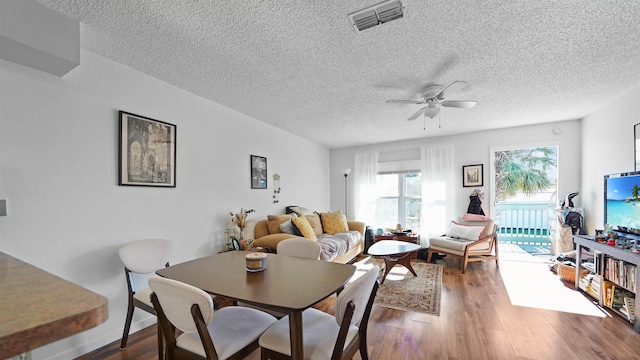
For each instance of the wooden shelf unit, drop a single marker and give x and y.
(584, 241)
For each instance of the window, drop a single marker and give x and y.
(399, 199)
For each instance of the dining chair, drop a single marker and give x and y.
(141, 257)
(470, 241)
(231, 332)
(326, 336)
(299, 247)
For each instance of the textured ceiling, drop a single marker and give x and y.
(302, 67)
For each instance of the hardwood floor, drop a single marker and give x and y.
(477, 321)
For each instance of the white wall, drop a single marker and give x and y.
(472, 148)
(58, 169)
(607, 149)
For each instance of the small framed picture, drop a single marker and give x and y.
(472, 175)
(258, 172)
(235, 243)
(147, 152)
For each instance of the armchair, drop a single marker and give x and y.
(469, 240)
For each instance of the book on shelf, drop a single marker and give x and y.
(618, 300)
(629, 308)
(607, 287)
(621, 273)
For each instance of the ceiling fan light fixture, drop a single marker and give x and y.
(377, 14)
(431, 112)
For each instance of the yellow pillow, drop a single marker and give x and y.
(301, 224)
(274, 222)
(315, 222)
(334, 222)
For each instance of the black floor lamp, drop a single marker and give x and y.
(346, 208)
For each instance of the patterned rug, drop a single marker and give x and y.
(401, 290)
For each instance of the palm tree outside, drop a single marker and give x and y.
(525, 194)
(524, 171)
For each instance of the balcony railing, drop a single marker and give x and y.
(524, 223)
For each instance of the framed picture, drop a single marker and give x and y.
(472, 175)
(258, 172)
(147, 152)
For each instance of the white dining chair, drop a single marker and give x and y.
(231, 332)
(299, 247)
(326, 336)
(142, 257)
(296, 247)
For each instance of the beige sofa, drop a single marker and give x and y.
(338, 247)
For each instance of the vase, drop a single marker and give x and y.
(231, 232)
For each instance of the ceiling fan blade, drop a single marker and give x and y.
(405, 102)
(417, 114)
(452, 88)
(463, 104)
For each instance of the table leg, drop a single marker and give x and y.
(388, 264)
(295, 334)
(391, 261)
(406, 262)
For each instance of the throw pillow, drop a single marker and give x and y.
(464, 231)
(301, 227)
(274, 221)
(334, 222)
(316, 224)
(287, 227)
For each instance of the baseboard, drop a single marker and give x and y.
(44, 352)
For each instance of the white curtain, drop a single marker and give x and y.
(436, 166)
(365, 171)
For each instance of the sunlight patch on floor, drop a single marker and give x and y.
(532, 284)
(397, 273)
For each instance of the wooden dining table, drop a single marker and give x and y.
(288, 284)
(37, 307)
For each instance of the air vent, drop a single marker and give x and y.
(377, 14)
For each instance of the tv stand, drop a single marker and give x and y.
(584, 241)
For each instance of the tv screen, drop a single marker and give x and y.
(622, 201)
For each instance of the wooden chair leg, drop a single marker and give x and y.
(429, 255)
(364, 354)
(161, 352)
(127, 326)
(465, 261)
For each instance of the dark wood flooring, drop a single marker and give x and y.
(477, 321)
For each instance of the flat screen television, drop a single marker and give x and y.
(622, 201)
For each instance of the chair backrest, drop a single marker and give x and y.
(359, 293)
(176, 299)
(491, 226)
(298, 247)
(146, 256)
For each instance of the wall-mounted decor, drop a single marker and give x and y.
(276, 188)
(472, 175)
(636, 145)
(258, 172)
(147, 152)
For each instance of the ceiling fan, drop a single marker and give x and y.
(435, 97)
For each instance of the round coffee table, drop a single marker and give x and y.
(394, 252)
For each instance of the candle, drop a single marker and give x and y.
(256, 261)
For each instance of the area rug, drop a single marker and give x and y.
(401, 290)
